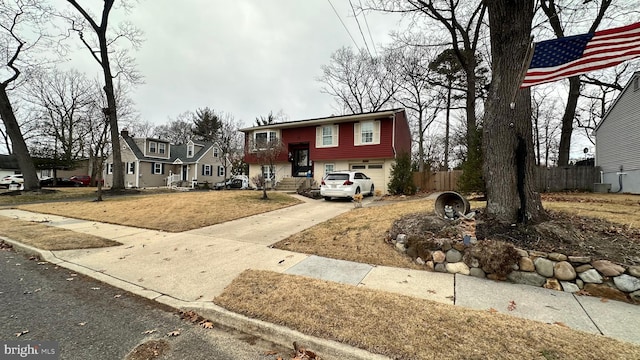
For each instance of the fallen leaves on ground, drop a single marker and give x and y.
(18, 334)
(512, 305)
(194, 318)
(303, 354)
(148, 332)
(174, 333)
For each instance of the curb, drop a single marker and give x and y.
(277, 334)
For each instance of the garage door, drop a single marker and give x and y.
(375, 172)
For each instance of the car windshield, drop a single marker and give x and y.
(338, 177)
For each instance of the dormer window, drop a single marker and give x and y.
(153, 146)
(162, 148)
(190, 149)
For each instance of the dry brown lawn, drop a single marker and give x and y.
(48, 194)
(402, 327)
(48, 237)
(173, 212)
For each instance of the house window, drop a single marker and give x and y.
(190, 150)
(262, 138)
(268, 173)
(110, 168)
(366, 133)
(206, 170)
(152, 146)
(131, 168)
(220, 170)
(156, 168)
(327, 136)
(162, 148)
(328, 168)
(216, 152)
(45, 173)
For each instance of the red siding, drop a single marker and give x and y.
(403, 134)
(345, 148)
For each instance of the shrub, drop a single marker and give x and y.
(496, 257)
(402, 176)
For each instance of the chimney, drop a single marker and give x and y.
(124, 132)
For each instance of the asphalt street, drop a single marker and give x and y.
(92, 320)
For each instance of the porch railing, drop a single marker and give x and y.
(173, 178)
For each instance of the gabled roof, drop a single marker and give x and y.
(615, 102)
(175, 152)
(326, 120)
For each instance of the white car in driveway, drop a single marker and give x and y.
(11, 179)
(345, 184)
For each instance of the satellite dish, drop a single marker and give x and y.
(586, 150)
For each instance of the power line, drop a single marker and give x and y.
(344, 25)
(373, 44)
(360, 28)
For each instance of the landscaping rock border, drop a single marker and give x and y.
(581, 274)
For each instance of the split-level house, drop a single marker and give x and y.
(618, 140)
(367, 143)
(150, 162)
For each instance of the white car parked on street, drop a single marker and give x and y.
(11, 179)
(345, 184)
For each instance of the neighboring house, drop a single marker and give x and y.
(618, 140)
(366, 142)
(152, 162)
(9, 165)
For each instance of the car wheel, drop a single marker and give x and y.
(372, 190)
(327, 198)
(357, 191)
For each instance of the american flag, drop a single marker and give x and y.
(574, 55)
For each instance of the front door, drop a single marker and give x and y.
(301, 164)
(185, 172)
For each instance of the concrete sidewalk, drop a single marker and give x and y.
(189, 269)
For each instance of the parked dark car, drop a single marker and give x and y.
(59, 183)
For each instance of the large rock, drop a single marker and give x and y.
(438, 257)
(401, 247)
(634, 271)
(557, 257)
(580, 259)
(457, 268)
(569, 286)
(627, 283)
(440, 268)
(564, 271)
(526, 278)
(477, 272)
(583, 268)
(526, 264)
(544, 267)
(635, 296)
(591, 276)
(605, 291)
(607, 268)
(454, 256)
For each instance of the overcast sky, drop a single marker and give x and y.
(244, 57)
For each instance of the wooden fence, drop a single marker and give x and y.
(547, 179)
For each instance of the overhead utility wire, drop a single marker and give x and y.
(360, 28)
(343, 25)
(373, 44)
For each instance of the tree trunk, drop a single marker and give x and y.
(567, 121)
(509, 162)
(447, 127)
(20, 149)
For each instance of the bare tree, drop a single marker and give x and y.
(61, 100)
(229, 141)
(358, 82)
(20, 21)
(178, 131)
(414, 80)
(509, 159)
(101, 47)
(267, 150)
(546, 125)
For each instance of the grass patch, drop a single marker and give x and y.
(357, 235)
(172, 212)
(402, 327)
(48, 237)
(47, 194)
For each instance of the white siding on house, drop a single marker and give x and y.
(618, 141)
